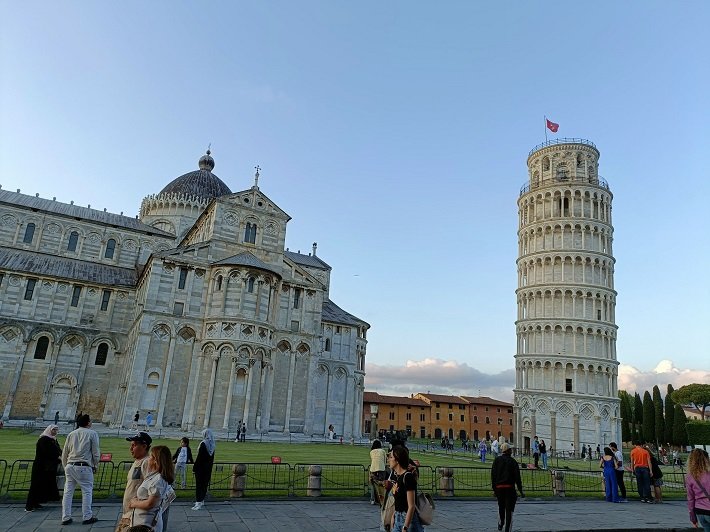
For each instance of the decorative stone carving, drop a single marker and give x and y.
(94, 238)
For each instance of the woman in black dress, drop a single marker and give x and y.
(203, 468)
(43, 486)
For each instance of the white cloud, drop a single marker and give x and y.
(450, 377)
(633, 380)
(439, 376)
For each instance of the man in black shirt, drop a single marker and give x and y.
(505, 476)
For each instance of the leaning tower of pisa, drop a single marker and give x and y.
(565, 366)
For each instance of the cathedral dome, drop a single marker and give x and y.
(201, 183)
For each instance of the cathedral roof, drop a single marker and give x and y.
(16, 199)
(307, 260)
(247, 259)
(334, 314)
(18, 260)
(201, 183)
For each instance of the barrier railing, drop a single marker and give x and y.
(231, 479)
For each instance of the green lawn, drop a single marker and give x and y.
(344, 468)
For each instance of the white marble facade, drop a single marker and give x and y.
(193, 311)
(566, 365)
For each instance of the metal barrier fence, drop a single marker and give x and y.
(259, 478)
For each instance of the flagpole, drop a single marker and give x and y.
(545, 123)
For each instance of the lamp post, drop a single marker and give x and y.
(373, 420)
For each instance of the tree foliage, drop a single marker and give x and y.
(659, 424)
(697, 395)
(626, 417)
(680, 435)
(668, 437)
(649, 419)
(637, 417)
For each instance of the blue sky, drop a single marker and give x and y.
(396, 135)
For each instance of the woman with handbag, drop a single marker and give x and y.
(146, 504)
(43, 485)
(405, 517)
(697, 486)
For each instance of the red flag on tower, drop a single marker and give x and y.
(552, 126)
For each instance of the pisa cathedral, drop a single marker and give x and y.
(193, 311)
(566, 366)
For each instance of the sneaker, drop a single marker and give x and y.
(90, 520)
(500, 525)
(29, 509)
(198, 506)
(67, 521)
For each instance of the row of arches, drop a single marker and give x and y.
(566, 408)
(566, 269)
(565, 237)
(559, 203)
(566, 303)
(567, 340)
(566, 378)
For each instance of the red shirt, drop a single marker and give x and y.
(640, 457)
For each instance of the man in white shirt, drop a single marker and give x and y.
(140, 445)
(619, 459)
(494, 448)
(80, 459)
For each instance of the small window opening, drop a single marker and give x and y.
(568, 385)
(76, 293)
(29, 233)
(105, 298)
(182, 278)
(30, 289)
(41, 348)
(296, 297)
(110, 248)
(101, 354)
(73, 241)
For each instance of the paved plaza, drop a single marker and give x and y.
(348, 515)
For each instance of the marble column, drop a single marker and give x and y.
(230, 391)
(188, 416)
(166, 383)
(247, 397)
(289, 394)
(576, 433)
(16, 377)
(210, 391)
(553, 430)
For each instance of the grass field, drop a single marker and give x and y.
(344, 468)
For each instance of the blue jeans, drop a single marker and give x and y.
(544, 460)
(414, 526)
(643, 482)
(704, 522)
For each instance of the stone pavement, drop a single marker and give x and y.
(348, 515)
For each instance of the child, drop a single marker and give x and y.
(181, 458)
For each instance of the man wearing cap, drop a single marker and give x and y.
(505, 476)
(140, 445)
(80, 459)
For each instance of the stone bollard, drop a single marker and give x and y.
(558, 483)
(314, 480)
(239, 480)
(446, 482)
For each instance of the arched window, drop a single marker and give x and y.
(73, 240)
(101, 354)
(250, 285)
(110, 248)
(327, 344)
(475, 434)
(219, 283)
(250, 233)
(29, 233)
(41, 347)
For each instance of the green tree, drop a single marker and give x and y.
(680, 435)
(649, 421)
(626, 417)
(697, 395)
(637, 417)
(658, 415)
(668, 438)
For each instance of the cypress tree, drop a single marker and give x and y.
(670, 410)
(680, 436)
(658, 416)
(637, 416)
(649, 419)
(626, 417)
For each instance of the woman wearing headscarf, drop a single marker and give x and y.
(203, 468)
(43, 486)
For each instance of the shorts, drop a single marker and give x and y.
(657, 482)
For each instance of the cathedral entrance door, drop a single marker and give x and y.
(60, 402)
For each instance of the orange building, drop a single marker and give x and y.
(426, 415)
(395, 413)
